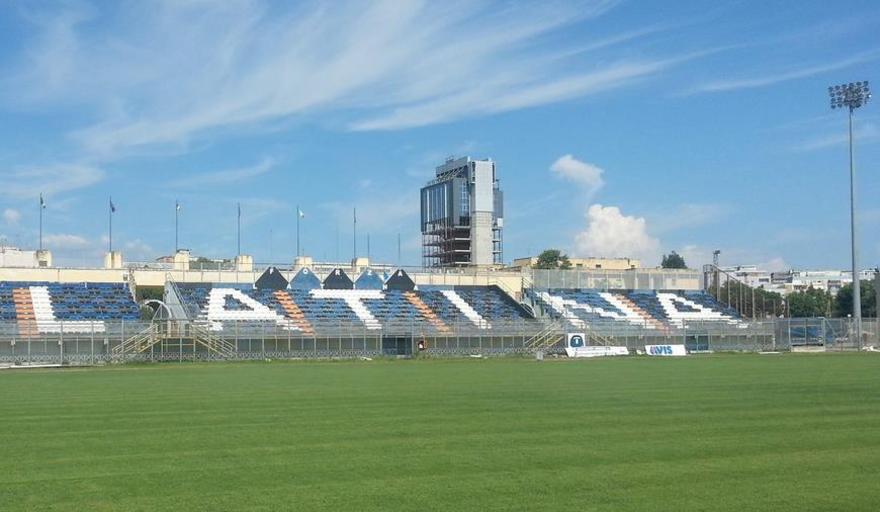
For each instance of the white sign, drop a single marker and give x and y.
(665, 350)
(596, 351)
(575, 340)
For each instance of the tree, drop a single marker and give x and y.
(202, 263)
(811, 302)
(673, 260)
(552, 259)
(564, 262)
(145, 293)
(843, 305)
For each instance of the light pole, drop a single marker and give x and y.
(716, 255)
(852, 96)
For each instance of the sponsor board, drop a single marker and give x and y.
(596, 351)
(808, 348)
(665, 350)
(575, 339)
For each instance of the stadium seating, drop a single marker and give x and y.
(430, 310)
(41, 307)
(647, 309)
(306, 307)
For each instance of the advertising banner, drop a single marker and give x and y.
(596, 351)
(665, 350)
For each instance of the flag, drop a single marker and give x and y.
(355, 214)
(42, 203)
(177, 206)
(239, 210)
(112, 206)
(300, 213)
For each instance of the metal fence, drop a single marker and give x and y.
(99, 342)
(92, 343)
(784, 334)
(634, 279)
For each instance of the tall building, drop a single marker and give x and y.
(462, 215)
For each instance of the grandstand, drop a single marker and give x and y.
(648, 309)
(43, 308)
(323, 311)
(371, 302)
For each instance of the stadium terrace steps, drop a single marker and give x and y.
(139, 342)
(635, 308)
(55, 308)
(251, 310)
(625, 313)
(353, 300)
(318, 310)
(644, 315)
(24, 312)
(680, 309)
(557, 304)
(293, 312)
(48, 322)
(426, 312)
(469, 312)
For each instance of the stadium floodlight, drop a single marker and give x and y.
(852, 96)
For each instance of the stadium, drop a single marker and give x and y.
(320, 311)
(557, 330)
(182, 369)
(462, 301)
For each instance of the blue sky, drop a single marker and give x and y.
(619, 128)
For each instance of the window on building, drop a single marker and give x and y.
(465, 200)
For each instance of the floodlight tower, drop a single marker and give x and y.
(852, 96)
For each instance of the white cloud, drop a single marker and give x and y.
(793, 74)
(610, 233)
(503, 93)
(226, 176)
(866, 132)
(138, 250)
(158, 76)
(11, 216)
(65, 241)
(687, 216)
(28, 183)
(581, 173)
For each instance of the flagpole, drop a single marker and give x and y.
(355, 237)
(41, 221)
(176, 214)
(111, 229)
(239, 229)
(298, 215)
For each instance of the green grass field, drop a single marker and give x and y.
(742, 432)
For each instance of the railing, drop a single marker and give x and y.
(549, 336)
(180, 340)
(744, 297)
(541, 279)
